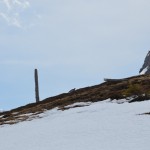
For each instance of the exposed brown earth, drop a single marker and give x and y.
(138, 86)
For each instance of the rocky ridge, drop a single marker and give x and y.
(146, 66)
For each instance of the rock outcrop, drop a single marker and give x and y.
(146, 66)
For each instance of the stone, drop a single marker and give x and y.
(146, 66)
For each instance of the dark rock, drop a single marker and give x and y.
(140, 98)
(146, 66)
(72, 90)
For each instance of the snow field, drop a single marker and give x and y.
(100, 126)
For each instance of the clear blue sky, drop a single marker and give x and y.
(73, 44)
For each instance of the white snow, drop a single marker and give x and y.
(100, 126)
(121, 101)
(144, 71)
(78, 104)
(148, 54)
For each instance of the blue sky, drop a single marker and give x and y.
(73, 44)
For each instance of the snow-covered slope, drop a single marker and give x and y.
(99, 126)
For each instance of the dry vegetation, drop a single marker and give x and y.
(138, 86)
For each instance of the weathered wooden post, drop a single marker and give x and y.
(36, 85)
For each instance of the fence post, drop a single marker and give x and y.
(36, 85)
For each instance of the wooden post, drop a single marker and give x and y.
(36, 85)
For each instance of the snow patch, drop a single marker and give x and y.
(144, 71)
(78, 104)
(125, 100)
